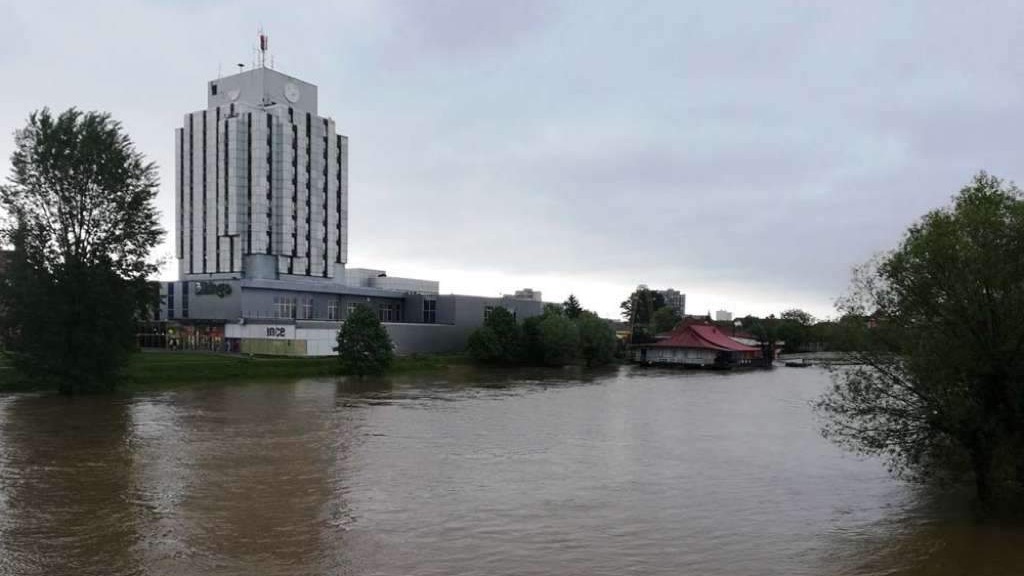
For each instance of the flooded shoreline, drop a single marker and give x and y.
(503, 472)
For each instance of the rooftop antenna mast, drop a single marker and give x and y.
(264, 42)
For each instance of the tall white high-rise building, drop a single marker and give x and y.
(261, 183)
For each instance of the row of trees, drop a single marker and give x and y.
(563, 334)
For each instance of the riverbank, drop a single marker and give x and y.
(148, 370)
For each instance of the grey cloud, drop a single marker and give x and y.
(753, 150)
(454, 27)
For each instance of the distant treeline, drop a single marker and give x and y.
(564, 334)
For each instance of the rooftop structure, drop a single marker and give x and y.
(525, 294)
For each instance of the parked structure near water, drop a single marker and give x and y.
(696, 345)
(262, 235)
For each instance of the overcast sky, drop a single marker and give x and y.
(745, 153)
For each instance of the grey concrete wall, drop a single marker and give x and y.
(258, 85)
(262, 266)
(203, 307)
(426, 338)
(469, 310)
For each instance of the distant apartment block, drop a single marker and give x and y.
(723, 316)
(675, 300)
(525, 294)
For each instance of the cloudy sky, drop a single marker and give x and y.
(746, 153)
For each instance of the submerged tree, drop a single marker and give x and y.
(498, 341)
(596, 340)
(560, 339)
(81, 218)
(665, 319)
(938, 384)
(364, 346)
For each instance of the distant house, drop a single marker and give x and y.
(696, 345)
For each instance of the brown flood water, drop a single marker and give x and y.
(623, 472)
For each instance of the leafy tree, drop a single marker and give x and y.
(82, 222)
(938, 384)
(484, 346)
(766, 330)
(498, 341)
(364, 346)
(795, 329)
(597, 339)
(532, 346)
(797, 316)
(641, 305)
(572, 307)
(665, 319)
(560, 339)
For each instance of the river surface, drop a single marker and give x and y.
(629, 471)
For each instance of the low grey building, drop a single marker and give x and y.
(302, 318)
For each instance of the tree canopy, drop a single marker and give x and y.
(572, 308)
(597, 340)
(498, 341)
(364, 346)
(665, 319)
(937, 387)
(81, 217)
(641, 305)
(549, 339)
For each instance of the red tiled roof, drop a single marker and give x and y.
(702, 336)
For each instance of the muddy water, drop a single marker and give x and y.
(622, 472)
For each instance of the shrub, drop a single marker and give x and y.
(364, 346)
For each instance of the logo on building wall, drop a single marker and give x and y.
(212, 289)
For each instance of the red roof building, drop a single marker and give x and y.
(692, 344)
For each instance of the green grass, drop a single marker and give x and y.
(162, 369)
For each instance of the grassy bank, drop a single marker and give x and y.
(159, 369)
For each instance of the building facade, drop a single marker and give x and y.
(284, 318)
(262, 236)
(261, 183)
